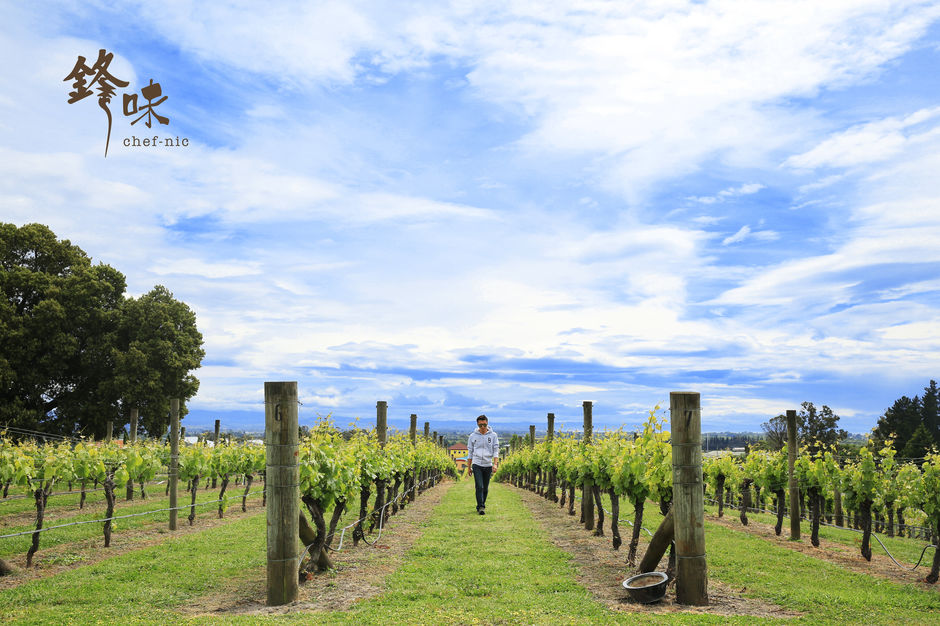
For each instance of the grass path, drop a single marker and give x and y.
(498, 568)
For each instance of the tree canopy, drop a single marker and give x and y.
(816, 428)
(913, 423)
(75, 352)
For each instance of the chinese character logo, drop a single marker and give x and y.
(150, 93)
(105, 83)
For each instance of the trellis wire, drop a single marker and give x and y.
(871, 533)
(114, 517)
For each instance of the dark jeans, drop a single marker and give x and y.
(481, 478)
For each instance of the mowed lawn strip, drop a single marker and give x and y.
(497, 568)
(145, 585)
(904, 549)
(828, 593)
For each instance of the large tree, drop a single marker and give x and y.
(58, 313)
(818, 429)
(814, 428)
(775, 432)
(906, 417)
(158, 346)
(74, 352)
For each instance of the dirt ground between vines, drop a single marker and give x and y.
(849, 557)
(360, 573)
(602, 570)
(68, 556)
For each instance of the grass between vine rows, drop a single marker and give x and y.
(499, 568)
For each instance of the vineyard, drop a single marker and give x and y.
(869, 492)
(335, 473)
(363, 510)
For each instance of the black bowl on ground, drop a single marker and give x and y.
(647, 587)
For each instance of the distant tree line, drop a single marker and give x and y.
(75, 351)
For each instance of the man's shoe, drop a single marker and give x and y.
(482, 511)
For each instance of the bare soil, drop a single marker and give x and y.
(360, 572)
(602, 570)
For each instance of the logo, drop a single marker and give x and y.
(106, 83)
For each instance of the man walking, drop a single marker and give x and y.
(482, 449)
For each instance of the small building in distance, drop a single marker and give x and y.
(457, 450)
(460, 454)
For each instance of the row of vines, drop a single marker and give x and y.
(336, 469)
(638, 466)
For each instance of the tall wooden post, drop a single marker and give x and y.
(794, 487)
(381, 422)
(549, 436)
(134, 418)
(530, 477)
(110, 429)
(587, 495)
(282, 478)
(434, 439)
(441, 444)
(427, 430)
(132, 439)
(173, 473)
(688, 501)
(413, 485)
(215, 444)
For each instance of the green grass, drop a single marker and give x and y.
(499, 568)
(904, 549)
(146, 585)
(828, 593)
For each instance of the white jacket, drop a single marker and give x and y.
(482, 449)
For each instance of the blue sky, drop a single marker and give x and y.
(465, 207)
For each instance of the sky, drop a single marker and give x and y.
(475, 207)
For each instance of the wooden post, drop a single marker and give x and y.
(413, 431)
(587, 495)
(434, 439)
(530, 476)
(381, 422)
(427, 430)
(215, 443)
(549, 436)
(282, 476)
(442, 441)
(688, 500)
(173, 473)
(110, 429)
(794, 487)
(134, 416)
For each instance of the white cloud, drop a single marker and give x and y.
(205, 269)
(867, 143)
(745, 232)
